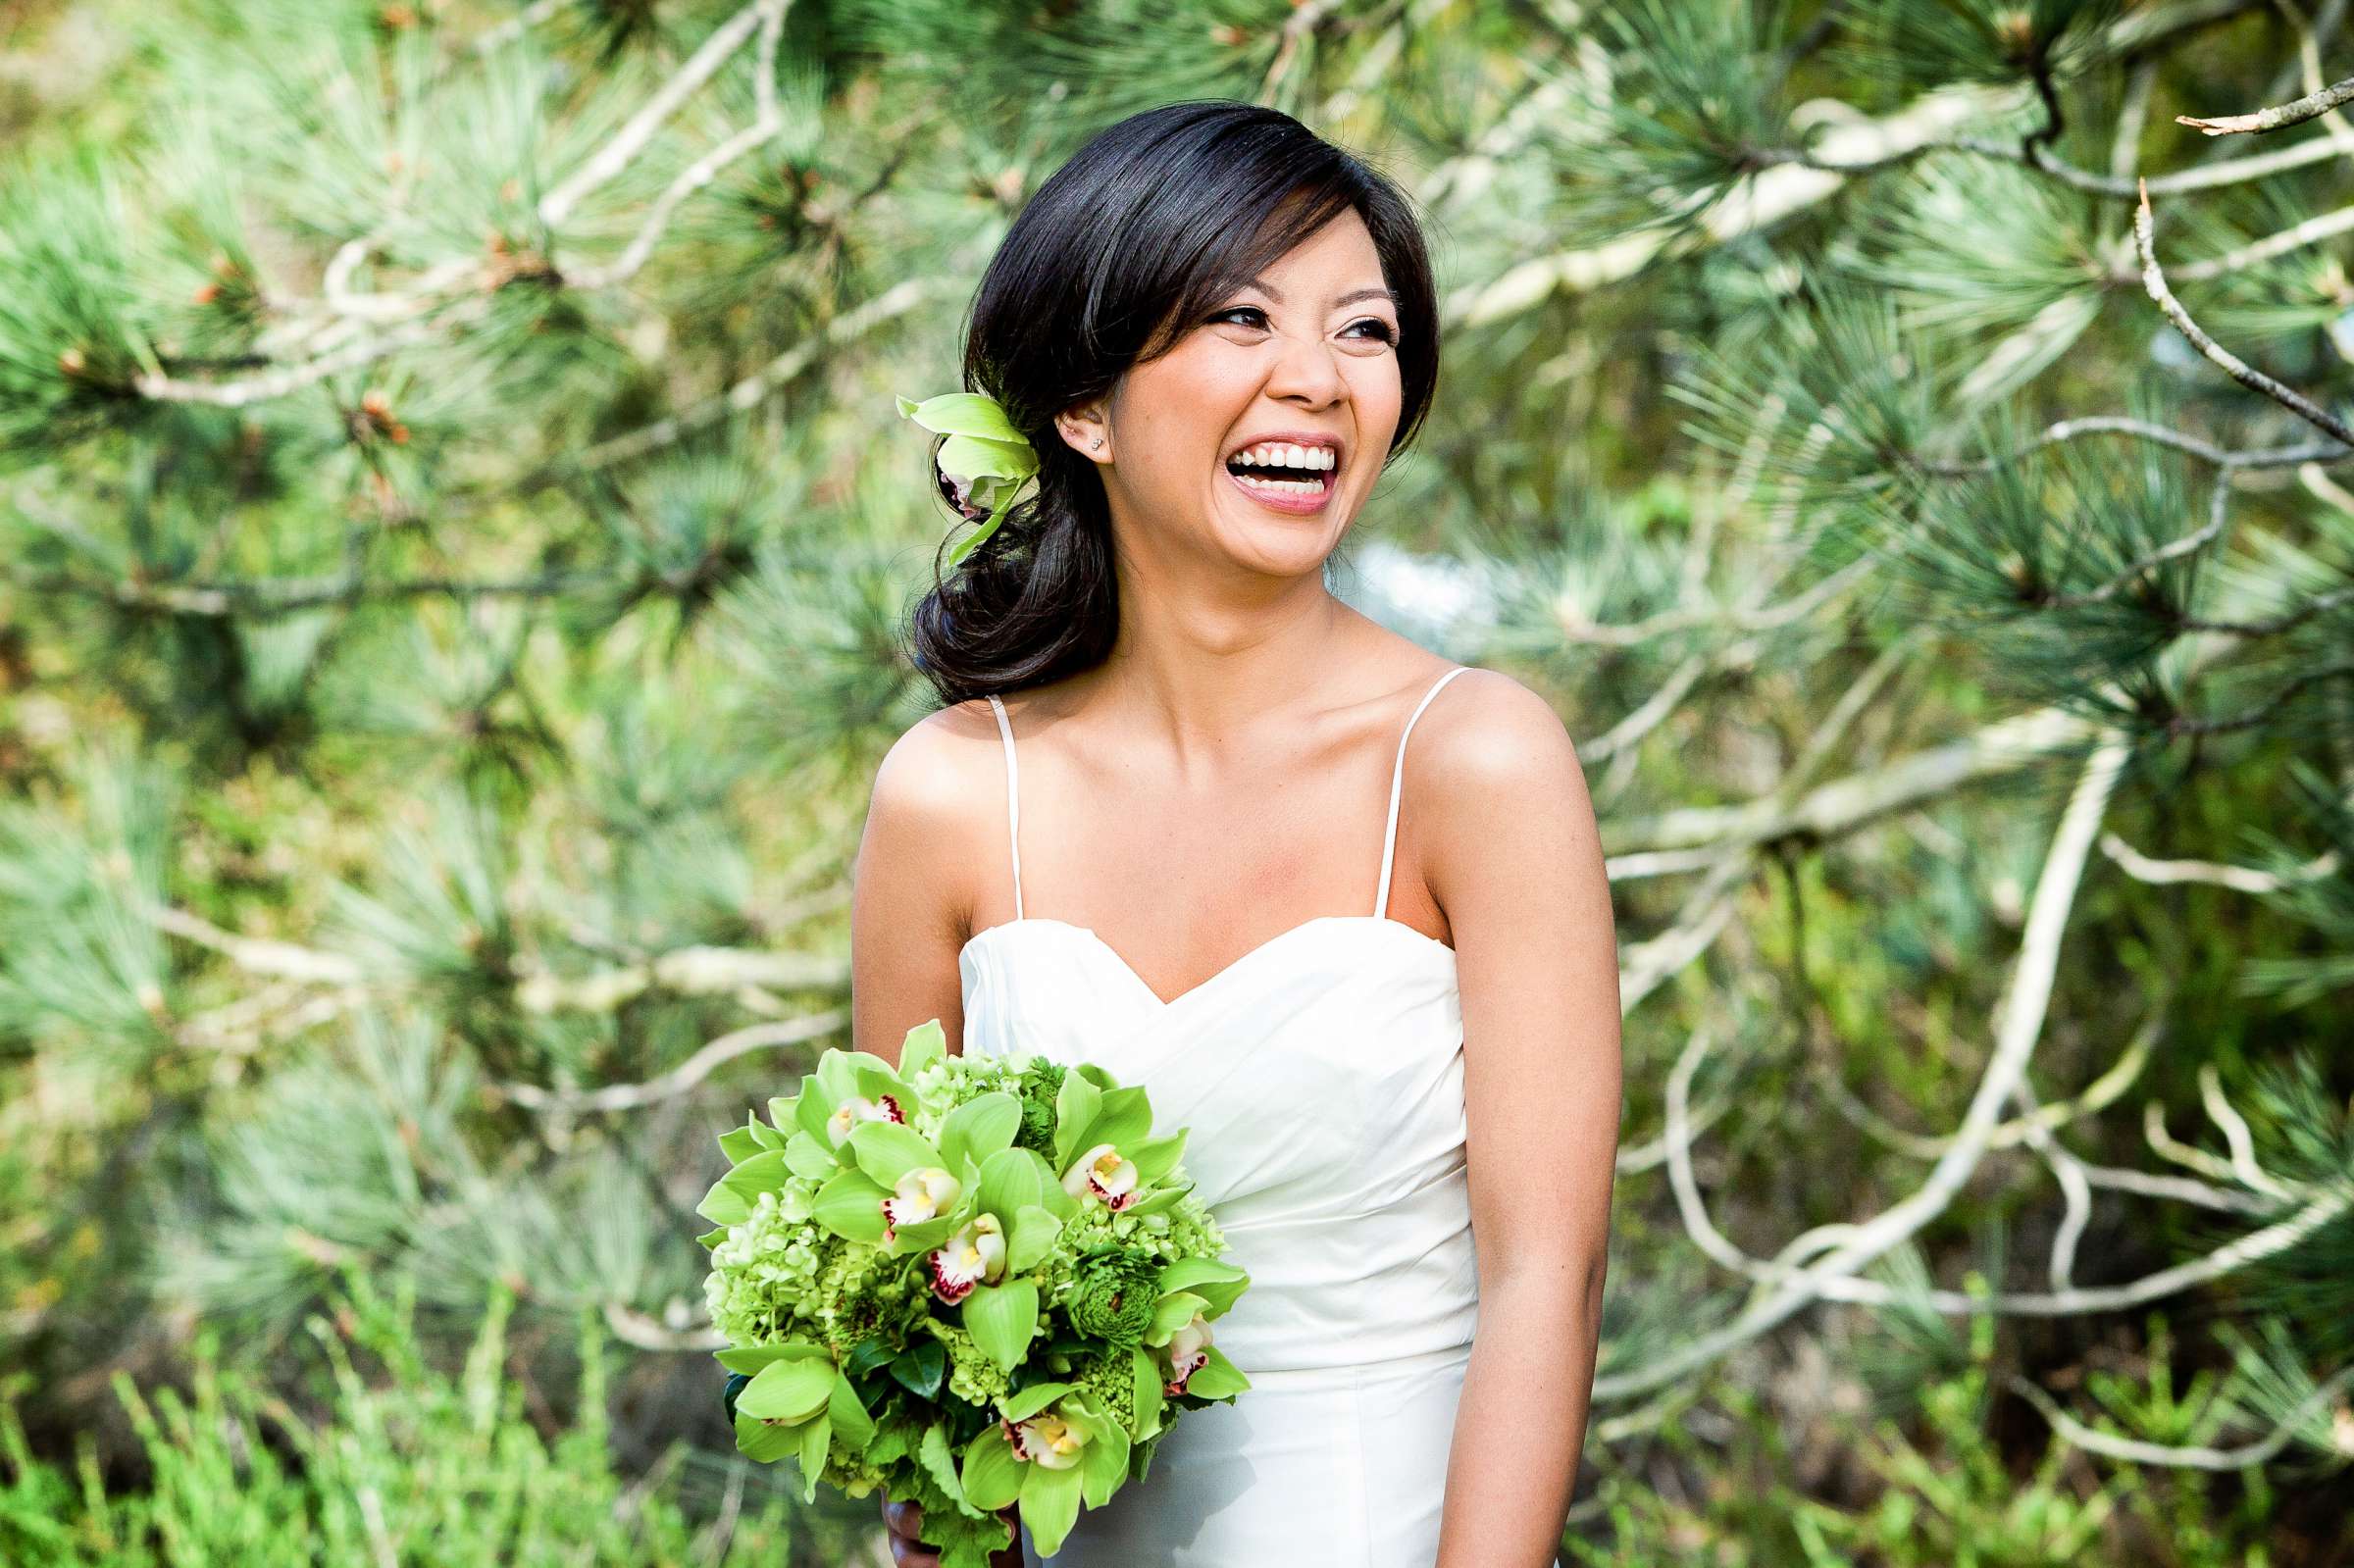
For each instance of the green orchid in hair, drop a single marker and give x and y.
(982, 465)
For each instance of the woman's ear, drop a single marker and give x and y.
(1087, 430)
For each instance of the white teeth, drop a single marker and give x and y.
(1281, 454)
(1286, 487)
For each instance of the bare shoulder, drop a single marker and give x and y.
(929, 793)
(1513, 854)
(1488, 738)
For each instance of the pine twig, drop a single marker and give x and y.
(2312, 106)
(2154, 281)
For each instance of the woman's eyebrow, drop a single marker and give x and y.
(1261, 285)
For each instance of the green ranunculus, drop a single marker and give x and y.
(1042, 1081)
(1113, 1292)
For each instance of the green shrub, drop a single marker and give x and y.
(411, 1467)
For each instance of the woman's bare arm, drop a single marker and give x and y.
(1516, 861)
(911, 894)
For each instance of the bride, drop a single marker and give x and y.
(1147, 829)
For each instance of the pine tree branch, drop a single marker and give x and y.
(2185, 1457)
(2154, 281)
(2239, 879)
(2203, 177)
(684, 1076)
(765, 124)
(2312, 106)
(515, 27)
(617, 154)
(894, 302)
(2070, 429)
(165, 389)
(264, 598)
(2179, 724)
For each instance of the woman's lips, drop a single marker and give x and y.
(1293, 503)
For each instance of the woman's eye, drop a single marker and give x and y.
(1377, 329)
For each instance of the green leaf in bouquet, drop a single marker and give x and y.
(1029, 1239)
(851, 1206)
(981, 1127)
(842, 1074)
(739, 1144)
(1075, 1110)
(1217, 1377)
(1001, 1318)
(853, 1427)
(1173, 1311)
(1011, 1180)
(809, 1157)
(1097, 1074)
(1155, 1157)
(1123, 1120)
(870, 1355)
(809, 1110)
(817, 1438)
(765, 1136)
(991, 1475)
(1148, 1396)
(887, 1150)
(791, 1390)
(753, 1357)
(711, 1238)
(938, 1461)
(1160, 1198)
(1103, 1462)
(1216, 1284)
(924, 1046)
(1022, 1405)
(1050, 1505)
(761, 1443)
(920, 1368)
(731, 1199)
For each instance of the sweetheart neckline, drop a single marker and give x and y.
(1167, 1003)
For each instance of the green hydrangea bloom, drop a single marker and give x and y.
(1111, 1380)
(973, 1376)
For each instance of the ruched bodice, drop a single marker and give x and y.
(1321, 1076)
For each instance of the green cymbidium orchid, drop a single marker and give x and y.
(1052, 1447)
(1103, 1152)
(811, 1132)
(984, 462)
(1193, 1291)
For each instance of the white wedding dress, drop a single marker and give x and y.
(1321, 1076)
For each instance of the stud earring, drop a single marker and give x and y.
(1098, 443)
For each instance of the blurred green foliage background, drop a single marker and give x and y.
(454, 537)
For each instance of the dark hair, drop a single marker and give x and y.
(1125, 247)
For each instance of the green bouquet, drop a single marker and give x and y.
(972, 1281)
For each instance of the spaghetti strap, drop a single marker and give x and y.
(1389, 836)
(1013, 802)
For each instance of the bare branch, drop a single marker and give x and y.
(2312, 106)
(2183, 1457)
(2233, 365)
(615, 156)
(684, 1076)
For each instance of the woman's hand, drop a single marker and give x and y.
(905, 1522)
